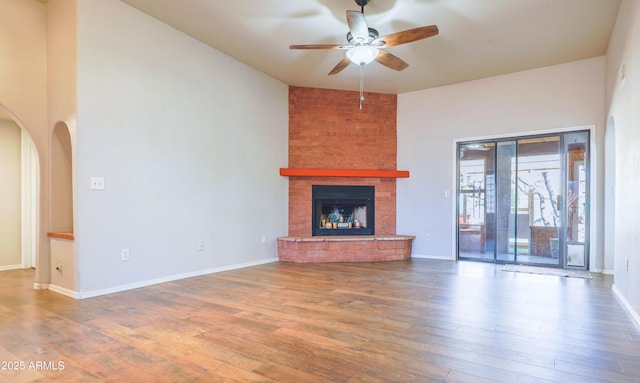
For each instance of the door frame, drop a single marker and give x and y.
(30, 176)
(593, 242)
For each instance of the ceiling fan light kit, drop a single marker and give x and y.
(364, 45)
(362, 54)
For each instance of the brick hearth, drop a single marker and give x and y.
(372, 248)
(327, 130)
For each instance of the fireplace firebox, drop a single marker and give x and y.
(343, 210)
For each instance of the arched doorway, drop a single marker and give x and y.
(22, 211)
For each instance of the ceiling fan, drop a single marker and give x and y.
(364, 44)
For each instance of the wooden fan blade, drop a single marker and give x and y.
(319, 46)
(358, 26)
(407, 36)
(341, 65)
(391, 61)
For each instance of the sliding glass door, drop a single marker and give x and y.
(476, 200)
(510, 200)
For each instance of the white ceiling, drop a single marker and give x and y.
(478, 38)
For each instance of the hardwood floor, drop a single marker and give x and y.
(406, 321)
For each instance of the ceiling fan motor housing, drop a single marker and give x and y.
(373, 34)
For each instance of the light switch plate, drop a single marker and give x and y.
(97, 183)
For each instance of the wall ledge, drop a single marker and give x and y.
(347, 238)
(68, 236)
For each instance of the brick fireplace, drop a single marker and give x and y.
(339, 144)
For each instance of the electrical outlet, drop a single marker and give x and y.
(59, 267)
(124, 254)
(427, 236)
(201, 246)
(97, 183)
(263, 239)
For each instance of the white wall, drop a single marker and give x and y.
(23, 65)
(10, 198)
(623, 100)
(61, 60)
(430, 121)
(189, 142)
(61, 79)
(23, 94)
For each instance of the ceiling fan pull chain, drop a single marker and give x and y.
(361, 85)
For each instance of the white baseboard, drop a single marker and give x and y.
(137, 285)
(63, 291)
(11, 267)
(626, 304)
(608, 271)
(427, 256)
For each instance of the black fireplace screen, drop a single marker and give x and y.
(343, 210)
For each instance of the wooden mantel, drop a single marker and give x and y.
(362, 173)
